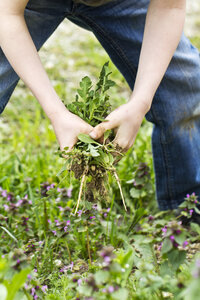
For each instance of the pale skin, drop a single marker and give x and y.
(163, 29)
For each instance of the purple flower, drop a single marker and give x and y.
(61, 208)
(26, 286)
(4, 193)
(160, 247)
(185, 244)
(32, 291)
(164, 229)
(68, 222)
(65, 229)
(35, 297)
(69, 192)
(107, 259)
(29, 276)
(35, 270)
(111, 289)
(151, 218)
(54, 232)
(92, 217)
(49, 221)
(172, 237)
(59, 190)
(191, 211)
(6, 207)
(188, 196)
(79, 212)
(57, 222)
(105, 215)
(19, 203)
(40, 243)
(44, 288)
(79, 281)
(108, 209)
(51, 186)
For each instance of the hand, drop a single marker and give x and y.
(67, 127)
(127, 120)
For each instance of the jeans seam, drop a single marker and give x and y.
(115, 46)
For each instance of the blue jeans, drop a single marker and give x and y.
(175, 111)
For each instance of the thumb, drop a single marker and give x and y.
(99, 130)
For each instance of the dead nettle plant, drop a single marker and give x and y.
(90, 160)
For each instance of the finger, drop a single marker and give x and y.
(99, 130)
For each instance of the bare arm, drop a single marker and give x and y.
(20, 50)
(163, 29)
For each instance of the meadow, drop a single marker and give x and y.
(102, 252)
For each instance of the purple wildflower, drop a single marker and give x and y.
(111, 289)
(32, 291)
(6, 207)
(172, 238)
(68, 222)
(35, 270)
(29, 276)
(191, 211)
(79, 281)
(61, 208)
(4, 193)
(185, 244)
(54, 232)
(79, 212)
(92, 217)
(44, 288)
(69, 192)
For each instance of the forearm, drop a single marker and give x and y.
(20, 50)
(163, 29)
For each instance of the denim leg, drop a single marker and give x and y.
(175, 111)
(42, 18)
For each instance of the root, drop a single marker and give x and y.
(120, 189)
(81, 188)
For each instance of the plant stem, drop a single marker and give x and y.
(120, 189)
(88, 247)
(67, 246)
(81, 189)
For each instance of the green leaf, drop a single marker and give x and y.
(176, 258)
(93, 151)
(101, 276)
(3, 292)
(180, 238)
(85, 138)
(167, 246)
(17, 282)
(135, 193)
(9, 233)
(120, 294)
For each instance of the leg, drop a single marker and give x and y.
(175, 111)
(42, 19)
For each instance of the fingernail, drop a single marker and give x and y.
(92, 135)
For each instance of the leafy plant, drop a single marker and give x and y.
(90, 160)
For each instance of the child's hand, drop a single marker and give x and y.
(127, 120)
(67, 127)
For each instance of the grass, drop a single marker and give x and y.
(103, 253)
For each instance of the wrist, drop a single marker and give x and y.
(143, 103)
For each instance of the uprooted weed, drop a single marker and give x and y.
(90, 160)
